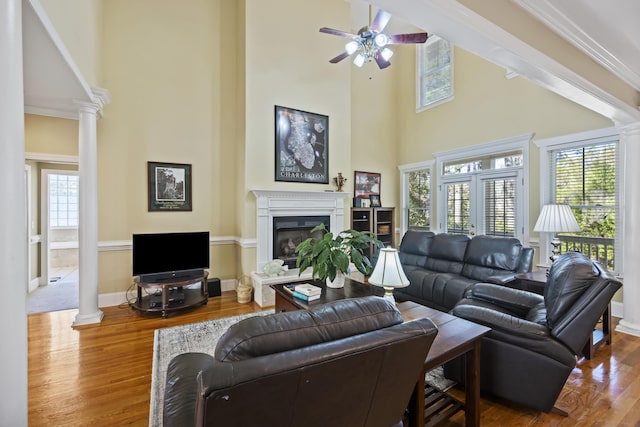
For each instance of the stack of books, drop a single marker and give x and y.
(304, 291)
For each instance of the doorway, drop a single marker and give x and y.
(58, 288)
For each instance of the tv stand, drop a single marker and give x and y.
(170, 295)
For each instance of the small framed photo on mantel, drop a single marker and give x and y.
(169, 186)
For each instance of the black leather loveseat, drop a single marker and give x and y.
(441, 267)
(351, 362)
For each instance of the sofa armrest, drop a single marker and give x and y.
(502, 279)
(181, 388)
(514, 300)
(513, 331)
(500, 321)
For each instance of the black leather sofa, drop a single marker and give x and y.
(352, 362)
(441, 267)
(532, 347)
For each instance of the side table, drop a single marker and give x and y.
(535, 281)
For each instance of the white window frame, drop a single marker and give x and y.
(420, 59)
(517, 143)
(581, 139)
(47, 188)
(404, 191)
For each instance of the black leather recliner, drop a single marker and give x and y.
(532, 348)
(352, 362)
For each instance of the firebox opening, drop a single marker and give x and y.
(289, 231)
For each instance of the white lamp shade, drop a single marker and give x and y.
(388, 270)
(556, 219)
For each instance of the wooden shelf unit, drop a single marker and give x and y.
(379, 221)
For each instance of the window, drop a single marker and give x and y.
(584, 176)
(481, 189)
(63, 201)
(416, 196)
(434, 73)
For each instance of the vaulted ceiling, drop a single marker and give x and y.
(585, 50)
(605, 32)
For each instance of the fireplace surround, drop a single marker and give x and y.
(277, 204)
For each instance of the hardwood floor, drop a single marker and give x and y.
(100, 375)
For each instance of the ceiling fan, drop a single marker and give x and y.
(371, 43)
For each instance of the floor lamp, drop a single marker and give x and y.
(555, 219)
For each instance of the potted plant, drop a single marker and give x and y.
(329, 256)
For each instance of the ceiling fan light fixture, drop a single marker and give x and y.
(381, 40)
(351, 47)
(359, 60)
(386, 53)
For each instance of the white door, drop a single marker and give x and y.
(483, 203)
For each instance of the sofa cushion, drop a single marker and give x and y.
(446, 252)
(490, 255)
(494, 252)
(263, 335)
(414, 247)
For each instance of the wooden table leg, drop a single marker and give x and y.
(472, 400)
(416, 404)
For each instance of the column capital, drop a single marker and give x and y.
(100, 98)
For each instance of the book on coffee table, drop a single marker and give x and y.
(308, 289)
(307, 298)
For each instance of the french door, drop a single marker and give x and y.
(486, 202)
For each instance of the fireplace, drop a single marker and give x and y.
(289, 231)
(271, 205)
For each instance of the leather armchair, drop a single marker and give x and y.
(532, 348)
(352, 362)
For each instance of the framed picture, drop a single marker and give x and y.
(169, 186)
(302, 146)
(366, 184)
(375, 200)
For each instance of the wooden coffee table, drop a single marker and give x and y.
(456, 337)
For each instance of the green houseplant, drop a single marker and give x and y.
(329, 256)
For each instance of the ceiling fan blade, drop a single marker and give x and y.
(408, 38)
(337, 32)
(380, 21)
(382, 63)
(339, 58)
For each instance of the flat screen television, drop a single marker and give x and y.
(165, 256)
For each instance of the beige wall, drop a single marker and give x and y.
(286, 64)
(50, 135)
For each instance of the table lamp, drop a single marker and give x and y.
(554, 219)
(388, 273)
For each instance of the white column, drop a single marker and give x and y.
(13, 230)
(88, 311)
(630, 151)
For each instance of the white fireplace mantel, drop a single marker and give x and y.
(270, 204)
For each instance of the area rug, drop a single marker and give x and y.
(203, 337)
(169, 342)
